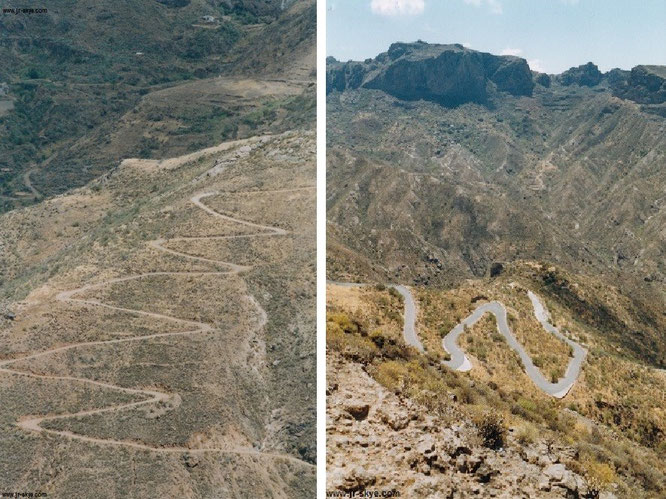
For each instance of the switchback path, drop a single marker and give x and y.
(28, 183)
(35, 194)
(459, 360)
(33, 423)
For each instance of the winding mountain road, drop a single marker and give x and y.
(409, 316)
(33, 423)
(460, 362)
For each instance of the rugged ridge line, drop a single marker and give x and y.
(453, 75)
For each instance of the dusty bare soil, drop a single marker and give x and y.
(176, 350)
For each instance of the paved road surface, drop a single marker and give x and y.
(459, 360)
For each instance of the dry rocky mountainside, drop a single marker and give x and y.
(471, 179)
(157, 327)
(164, 329)
(82, 89)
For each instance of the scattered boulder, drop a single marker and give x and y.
(485, 473)
(555, 472)
(426, 446)
(544, 483)
(191, 461)
(352, 480)
(468, 463)
(357, 409)
(396, 420)
(569, 481)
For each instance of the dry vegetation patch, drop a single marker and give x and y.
(441, 310)
(612, 420)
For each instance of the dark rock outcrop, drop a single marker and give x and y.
(543, 79)
(451, 78)
(644, 84)
(447, 74)
(617, 77)
(587, 75)
(510, 74)
(343, 75)
(496, 269)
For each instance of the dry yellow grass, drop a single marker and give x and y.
(441, 310)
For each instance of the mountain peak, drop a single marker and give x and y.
(585, 75)
(447, 74)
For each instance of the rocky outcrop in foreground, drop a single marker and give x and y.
(379, 442)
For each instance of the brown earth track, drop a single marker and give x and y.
(32, 423)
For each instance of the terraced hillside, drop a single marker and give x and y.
(83, 88)
(162, 320)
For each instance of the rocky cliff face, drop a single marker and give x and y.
(644, 84)
(452, 75)
(447, 74)
(341, 76)
(587, 75)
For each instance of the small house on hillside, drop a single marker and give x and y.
(208, 19)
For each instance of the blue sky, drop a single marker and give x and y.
(553, 35)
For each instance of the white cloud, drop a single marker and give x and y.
(536, 65)
(510, 51)
(494, 5)
(397, 7)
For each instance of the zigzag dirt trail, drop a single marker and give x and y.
(32, 423)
